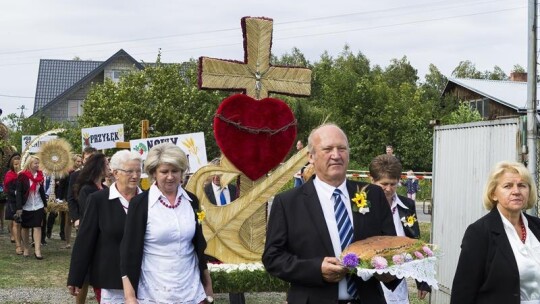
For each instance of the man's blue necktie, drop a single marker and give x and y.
(346, 233)
(222, 198)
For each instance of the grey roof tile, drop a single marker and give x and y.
(51, 83)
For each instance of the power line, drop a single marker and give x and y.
(319, 34)
(468, 3)
(405, 23)
(15, 96)
(348, 30)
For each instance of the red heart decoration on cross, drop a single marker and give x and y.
(255, 135)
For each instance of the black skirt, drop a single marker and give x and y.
(31, 219)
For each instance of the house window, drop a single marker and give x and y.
(116, 74)
(74, 109)
(481, 105)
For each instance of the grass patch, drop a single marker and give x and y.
(20, 271)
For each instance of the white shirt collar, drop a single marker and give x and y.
(114, 193)
(154, 194)
(327, 188)
(397, 201)
(217, 188)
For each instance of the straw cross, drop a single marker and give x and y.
(255, 75)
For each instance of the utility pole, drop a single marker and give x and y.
(22, 108)
(531, 96)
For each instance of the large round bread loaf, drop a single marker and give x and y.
(384, 246)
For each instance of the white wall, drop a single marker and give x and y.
(462, 159)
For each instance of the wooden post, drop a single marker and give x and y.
(145, 125)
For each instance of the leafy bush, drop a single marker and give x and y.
(246, 281)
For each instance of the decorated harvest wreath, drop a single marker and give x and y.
(55, 160)
(386, 247)
(398, 255)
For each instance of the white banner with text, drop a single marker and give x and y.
(192, 144)
(102, 137)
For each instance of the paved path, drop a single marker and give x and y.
(422, 217)
(60, 296)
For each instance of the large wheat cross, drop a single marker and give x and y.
(235, 233)
(255, 76)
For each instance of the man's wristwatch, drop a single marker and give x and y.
(209, 299)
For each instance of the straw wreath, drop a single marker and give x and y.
(55, 157)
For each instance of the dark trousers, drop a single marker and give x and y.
(43, 229)
(237, 298)
(50, 223)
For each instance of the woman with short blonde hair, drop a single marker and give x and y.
(162, 252)
(166, 153)
(500, 169)
(500, 252)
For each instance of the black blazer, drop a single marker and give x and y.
(297, 241)
(82, 200)
(21, 194)
(73, 204)
(98, 243)
(412, 232)
(132, 245)
(62, 188)
(487, 271)
(209, 191)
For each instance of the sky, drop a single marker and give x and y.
(443, 33)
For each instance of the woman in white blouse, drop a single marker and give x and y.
(162, 252)
(500, 253)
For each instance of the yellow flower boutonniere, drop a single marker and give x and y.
(201, 214)
(361, 203)
(408, 221)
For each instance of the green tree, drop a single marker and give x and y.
(434, 82)
(518, 69)
(36, 126)
(463, 114)
(165, 94)
(467, 69)
(496, 74)
(295, 58)
(400, 71)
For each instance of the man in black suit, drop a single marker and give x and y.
(219, 195)
(303, 244)
(385, 171)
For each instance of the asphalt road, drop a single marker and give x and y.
(421, 211)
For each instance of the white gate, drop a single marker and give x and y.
(463, 155)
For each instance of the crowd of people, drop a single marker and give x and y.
(135, 246)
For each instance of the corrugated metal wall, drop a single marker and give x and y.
(462, 158)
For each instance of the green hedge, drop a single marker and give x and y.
(246, 281)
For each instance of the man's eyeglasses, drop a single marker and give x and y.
(131, 172)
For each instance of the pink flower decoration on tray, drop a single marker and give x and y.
(379, 262)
